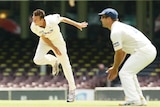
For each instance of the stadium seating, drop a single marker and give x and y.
(18, 70)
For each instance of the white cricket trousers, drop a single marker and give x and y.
(42, 58)
(134, 64)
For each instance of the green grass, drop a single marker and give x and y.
(58, 103)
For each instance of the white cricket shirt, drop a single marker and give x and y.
(127, 38)
(51, 31)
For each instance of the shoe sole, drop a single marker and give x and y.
(70, 101)
(131, 104)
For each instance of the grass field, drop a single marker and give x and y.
(49, 103)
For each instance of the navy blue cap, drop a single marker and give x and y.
(109, 12)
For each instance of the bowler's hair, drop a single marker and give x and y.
(39, 12)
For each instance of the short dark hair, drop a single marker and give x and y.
(39, 12)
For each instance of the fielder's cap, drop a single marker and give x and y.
(109, 12)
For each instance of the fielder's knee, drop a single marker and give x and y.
(122, 74)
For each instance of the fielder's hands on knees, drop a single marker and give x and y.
(112, 73)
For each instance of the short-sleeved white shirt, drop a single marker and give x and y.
(51, 31)
(127, 38)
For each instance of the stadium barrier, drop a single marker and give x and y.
(33, 94)
(99, 93)
(116, 93)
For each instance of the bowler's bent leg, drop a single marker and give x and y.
(41, 57)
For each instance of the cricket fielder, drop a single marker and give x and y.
(128, 40)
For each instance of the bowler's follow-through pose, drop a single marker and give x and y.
(128, 40)
(50, 38)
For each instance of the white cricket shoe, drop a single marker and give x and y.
(71, 96)
(55, 68)
(144, 102)
(131, 103)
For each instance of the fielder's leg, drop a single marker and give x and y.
(143, 100)
(134, 64)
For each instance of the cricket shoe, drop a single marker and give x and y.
(131, 103)
(55, 68)
(144, 102)
(71, 96)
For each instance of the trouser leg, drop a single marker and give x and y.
(134, 64)
(137, 85)
(67, 69)
(41, 57)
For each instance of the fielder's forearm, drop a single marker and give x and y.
(119, 58)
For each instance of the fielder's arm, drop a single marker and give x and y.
(119, 57)
(51, 45)
(74, 23)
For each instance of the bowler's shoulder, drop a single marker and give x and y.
(52, 16)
